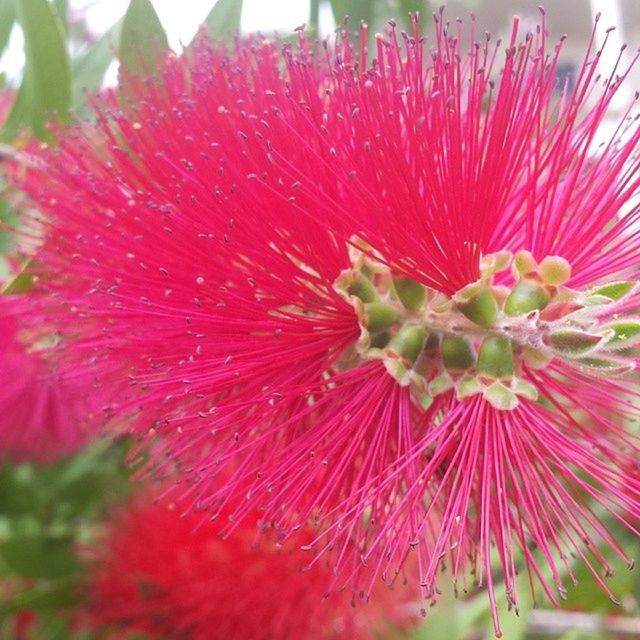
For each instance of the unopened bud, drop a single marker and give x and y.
(409, 342)
(526, 296)
(457, 353)
(523, 263)
(494, 263)
(411, 293)
(379, 316)
(554, 270)
(363, 288)
(495, 358)
(477, 304)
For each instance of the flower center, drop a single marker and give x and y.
(482, 339)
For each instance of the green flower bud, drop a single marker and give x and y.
(363, 288)
(409, 342)
(554, 270)
(526, 296)
(411, 293)
(457, 353)
(495, 358)
(477, 304)
(379, 316)
(523, 263)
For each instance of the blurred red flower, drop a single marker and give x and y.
(172, 577)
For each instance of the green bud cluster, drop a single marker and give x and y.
(483, 339)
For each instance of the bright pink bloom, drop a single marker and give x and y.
(43, 415)
(172, 577)
(227, 255)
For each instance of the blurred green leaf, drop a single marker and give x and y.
(91, 65)
(62, 8)
(441, 623)
(38, 557)
(45, 91)
(7, 20)
(400, 9)
(46, 596)
(588, 595)
(224, 19)
(357, 10)
(314, 15)
(142, 38)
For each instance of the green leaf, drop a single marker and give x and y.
(62, 8)
(7, 20)
(357, 10)
(89, 67)
(142, 39)
(45, 91)
(314, 15)
(44, 596)
(36, 556)
(224, 19)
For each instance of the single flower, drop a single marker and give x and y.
(394, 295)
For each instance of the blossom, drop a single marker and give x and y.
(170, 576)
(43, 414)
(392, 295)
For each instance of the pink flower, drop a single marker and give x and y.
(169, 576)
(393, 296)
(43, 415)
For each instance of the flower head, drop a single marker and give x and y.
(170, 576)
(43, 415)
(396, 296)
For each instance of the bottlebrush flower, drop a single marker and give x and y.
(394, 296)
(170, 576)
(42, 413)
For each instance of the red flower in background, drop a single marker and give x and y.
(170, 576)
(43, 415)
(396, 297)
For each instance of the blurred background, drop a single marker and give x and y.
(51, 57)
